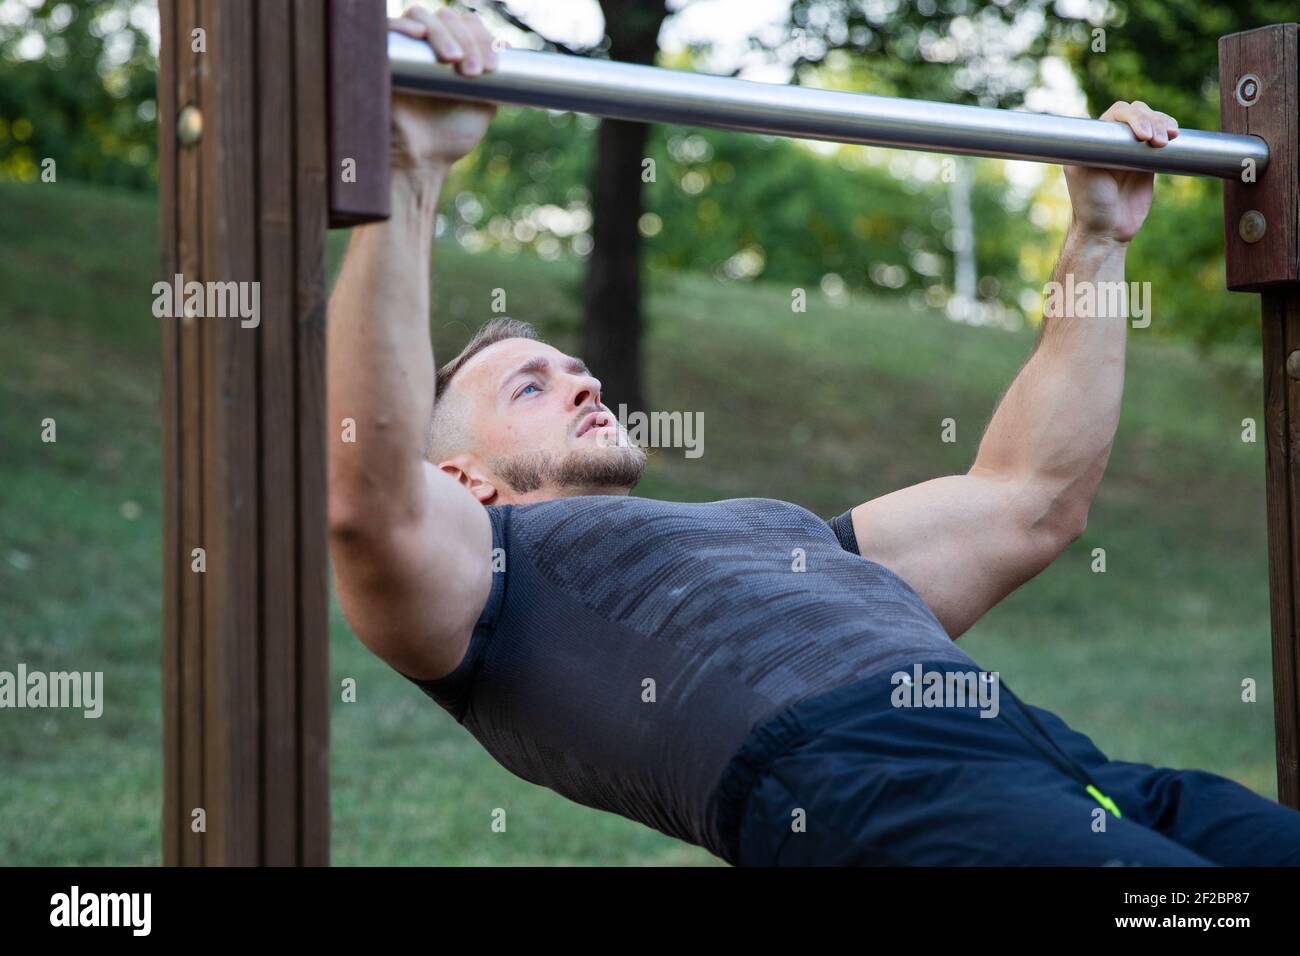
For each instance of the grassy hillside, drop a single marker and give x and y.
(825, 408)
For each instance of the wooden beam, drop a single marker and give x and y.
(360, 90)
(1259, 72)
(311, 220)
(245, 642)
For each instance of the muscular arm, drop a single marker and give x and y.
(964, 542)
(410, 546)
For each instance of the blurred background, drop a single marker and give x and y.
(922, 278)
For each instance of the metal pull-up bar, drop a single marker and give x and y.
(625, 91)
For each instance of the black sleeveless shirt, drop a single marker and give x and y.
(628, 646)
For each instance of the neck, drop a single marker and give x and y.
(554, 494)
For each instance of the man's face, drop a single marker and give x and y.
(539, 428)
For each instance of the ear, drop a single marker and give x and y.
(471, 474)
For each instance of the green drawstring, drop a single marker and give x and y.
(1104, 800)
(1072, 766)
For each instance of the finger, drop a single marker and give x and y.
(1120, 111)
(407, 26)
(1159, 135)
(483, 36)
(445, 45)
(1132, 114)
(1163, 126)
(1153, 123)
(471, 63)
(1140, 121)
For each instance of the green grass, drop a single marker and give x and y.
(826, 408)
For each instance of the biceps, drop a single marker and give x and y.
(962, 542)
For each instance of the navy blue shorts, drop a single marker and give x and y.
(847, 778)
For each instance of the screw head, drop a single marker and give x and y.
(1293, 364)
(1248, 88)
(1252, 225)
(189, 125)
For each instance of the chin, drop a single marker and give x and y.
(591, 470)
(613, 467)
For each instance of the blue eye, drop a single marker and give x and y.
(524, 390)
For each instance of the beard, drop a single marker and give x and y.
(582, 469)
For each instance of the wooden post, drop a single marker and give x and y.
(1258, 94)
(245, 632)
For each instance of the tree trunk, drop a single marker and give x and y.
(612, 307)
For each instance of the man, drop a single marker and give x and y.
(667, 661)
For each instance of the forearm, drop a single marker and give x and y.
(1057, 421)
(381, 363)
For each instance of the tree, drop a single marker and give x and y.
(612, 316)
(76, 87)
(1165, 52)
(967, 51)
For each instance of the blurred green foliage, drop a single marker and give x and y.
(1165, 53)
(978, 52)
(743, 207)
(988, 53)
(77, 85)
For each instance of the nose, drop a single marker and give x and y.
(586, 391)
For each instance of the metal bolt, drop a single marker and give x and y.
(1248, 88)
(1252, 225)
(1293, 364)
(189, 125)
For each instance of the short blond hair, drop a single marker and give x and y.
(448, 429)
